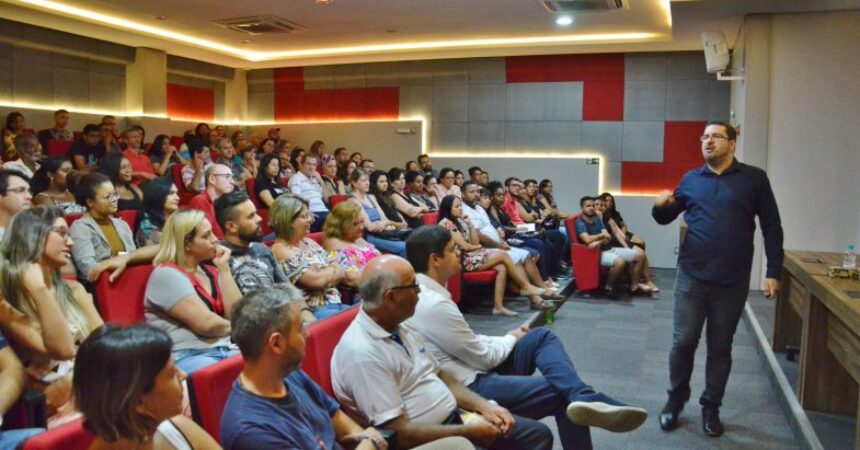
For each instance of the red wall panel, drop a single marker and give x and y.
(189, 102)
(294, 103)
(681, 153)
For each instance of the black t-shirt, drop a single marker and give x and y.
(274, 189)
(91, 155)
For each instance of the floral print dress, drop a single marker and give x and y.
(472, 261)
(311, 256)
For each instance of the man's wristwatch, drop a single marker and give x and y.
(371, 439)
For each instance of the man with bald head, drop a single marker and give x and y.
(384, 376)
(219, 181)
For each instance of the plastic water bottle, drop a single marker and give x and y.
(849, 261)
(550, 313)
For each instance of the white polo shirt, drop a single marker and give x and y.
(376, 379)
(309, 189)
(460, 351)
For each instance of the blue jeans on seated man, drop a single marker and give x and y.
(12, 439)
(328, 310)
(319, 221)
(721, 306)
(387, 246)
(193, 359)
(513, 386)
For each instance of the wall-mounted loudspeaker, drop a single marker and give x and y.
(716, 51)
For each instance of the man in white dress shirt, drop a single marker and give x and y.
(502, 367)
(383, 375)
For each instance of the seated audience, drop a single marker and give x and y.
(410, 166)
(459, 179)
(252, 264)
(194, 173)
(446, 185)
(381, 190)
(475, 173)
(619, 239)
(356, 157)
(485, 178)
(117, 167)
(343, 173)
(430, 191)
(141, 166)
(367, 165)
(317, 149)
(426, 166)
(13, 378)
(219, 181)
(249, 159)
(266, 148)
(163, 155)
(50, 188)
(521, 212)
(415, 183)
(307, 184)
(110, 126)
(274, 404)
(341, 157)
(503, 367)
(295, 162)
(130, 392)
(493, 238)
(97, 234)
(44, 316)
(550, 256)
(268, 185)
(383, 377)
(410, 209)
(226, 153)
(238, 139)
(477, 258)
(547, 200)
(330, 183)
(58, 132)
(380, 230)
(88, 150)
(189, 299)
(14, 196)
(342, 238)
(15, 125)
(160, 200)
(592, 232)
(306, 264)
(29, 154)
(612, 216)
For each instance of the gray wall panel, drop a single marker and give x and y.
(687, 100)
(451, 136)
(686, 66)
(447, 71)
(349, 76)
(486, 136)
(486, 70)
(106, 91)
(719, 100)
(644, 100)
(319, 77)
(642, 141)
(415, 73)
(562, 101)
(644, 67)
(604, 137)
(561, 136)
(416, 101)
(486, 102)
(522, 136)
(524, 101)
(32, 83)
(384, 74)
(450, 102)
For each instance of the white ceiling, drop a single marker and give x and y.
(377, 30)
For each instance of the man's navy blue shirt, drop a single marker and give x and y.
(720, 215)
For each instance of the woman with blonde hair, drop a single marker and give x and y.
(342, 238)
(307, 265)
(43, 316)
(188, 299)
(130, 391)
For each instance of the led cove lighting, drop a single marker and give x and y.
(119, 22)
(564, 21)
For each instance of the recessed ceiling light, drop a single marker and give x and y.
(564, 20)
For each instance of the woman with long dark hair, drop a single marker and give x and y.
(118, 168)
(50, 188)
(268, 185)
(410, 209)
(160, 200)
(380, 189)
(373, 217)
(163, 154)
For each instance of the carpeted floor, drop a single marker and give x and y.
(622, 349)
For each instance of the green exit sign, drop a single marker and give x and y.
(592, 161)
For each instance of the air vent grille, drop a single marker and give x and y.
(258, 25)
(581, 6)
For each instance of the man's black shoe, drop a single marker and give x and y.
(711, 424)
(669, 415)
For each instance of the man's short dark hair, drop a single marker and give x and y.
(585, 199)
(60, 111)
(412, 175)
(493, 186)
(529, 181)
(4, 179)
(426, 241)
(225, 207)
(510, 180)
(468, 183)
(90, 128)
(422, 156)
(86, 187)
(485, 192)
(731, 133)
(361, 164)
(473, 170)
(261, 313)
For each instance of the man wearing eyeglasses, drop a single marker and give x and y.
(720, 201)
(503, 367)
(219, 181)
(14, 196)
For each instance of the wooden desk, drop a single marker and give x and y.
(816, 313)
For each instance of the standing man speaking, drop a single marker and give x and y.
(720, 201)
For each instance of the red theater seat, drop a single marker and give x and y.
(337, 198)
(177, 141)
(130, 217)
(252, 194)
(585, 261)
(430, 218)
(71, 436)
(59, 148)
(71, 218)
(122, 301)
(184, 195)
(208, 389)
(322, 338)
(316, 237)
(264, 221)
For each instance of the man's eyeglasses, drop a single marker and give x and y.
(413, 286)
(716, 137)
(110, 197)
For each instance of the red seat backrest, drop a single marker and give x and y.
(337, 198)
(71, 436)
(78, 134)
(208, 390)
(316, 237)
(430, 218)
(570, 223)
(285, 181)
(59, 148)
(177, 141)
(71, 218)
(264, 221)
(249, 187)
(122, 301)
(130, 217)
(322, 338)
(184, 195)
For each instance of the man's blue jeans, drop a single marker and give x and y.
(193, 359)
(512, 385)
(387, 246)
(721, 306)
(12, 439)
